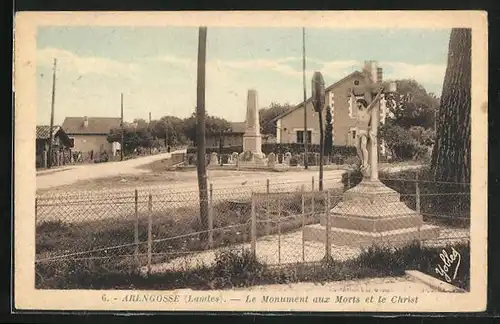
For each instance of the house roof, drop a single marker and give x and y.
(300, 105)
(238, 127)
(43, 131)
(96, 125)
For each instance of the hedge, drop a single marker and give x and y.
(293, 148)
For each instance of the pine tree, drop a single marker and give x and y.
(452, 150)
(328, 132)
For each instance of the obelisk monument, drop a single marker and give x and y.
(252, 139)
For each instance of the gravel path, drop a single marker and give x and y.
(372, 285)
(288, 249)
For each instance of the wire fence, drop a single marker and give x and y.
(280, 223)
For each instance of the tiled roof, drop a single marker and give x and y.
(96, 125)
(238, 127)
(43, 131)
(300, 105)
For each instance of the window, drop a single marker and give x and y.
(300, 137)
(353, 134)
(356, 82)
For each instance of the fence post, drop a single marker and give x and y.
(211, 217)
(36, 206)
(279, 230)
(348, 179)
(268, 209)
(328, 245)
(253, 229)
(303, 224)
(136, 229)
(150, 231)
(417, 202)
(312, 196)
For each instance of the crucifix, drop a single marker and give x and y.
(366, 111)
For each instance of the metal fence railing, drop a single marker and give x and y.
(162, 230)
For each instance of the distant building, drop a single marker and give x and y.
(232, 137)
(90, 133)
(61, 146)
(290, 124)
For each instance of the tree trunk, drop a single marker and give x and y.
(200, 135)
(451, 153)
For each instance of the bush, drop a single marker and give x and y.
(408, 143)
(352, 178)
(241, 269)
(236, 269)
(447, 202)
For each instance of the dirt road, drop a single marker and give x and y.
(45, 180)
(180, 190)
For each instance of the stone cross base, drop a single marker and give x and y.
(371, 214)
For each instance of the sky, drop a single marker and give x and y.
(155, 67)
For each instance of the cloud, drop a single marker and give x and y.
(82, 65)
(422, 73)
(174, 60)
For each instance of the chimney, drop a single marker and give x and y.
(371, 69)
(85, 122)
(380, 75)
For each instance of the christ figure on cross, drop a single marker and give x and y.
(364, 130)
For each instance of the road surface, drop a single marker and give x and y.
(47, 179)
(182, 191)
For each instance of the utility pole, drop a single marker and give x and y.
(200, 136)
(151, 135)
(51, 135)
(318, 100)
(306, 162)
(122, 147)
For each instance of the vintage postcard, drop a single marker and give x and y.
(251, 161)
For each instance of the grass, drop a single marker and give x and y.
(240, 269)
(231, 218)
(112, 240)
(117, 267)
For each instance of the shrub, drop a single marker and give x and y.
(241, 269)
(236, 269)
(352, 178)
(447, 203)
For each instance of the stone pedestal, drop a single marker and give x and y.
(371, 214)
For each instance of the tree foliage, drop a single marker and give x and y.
(212, 125)
(414, 106)
(408, 129)
(266, 115)
(133, 138)
(171, 128)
